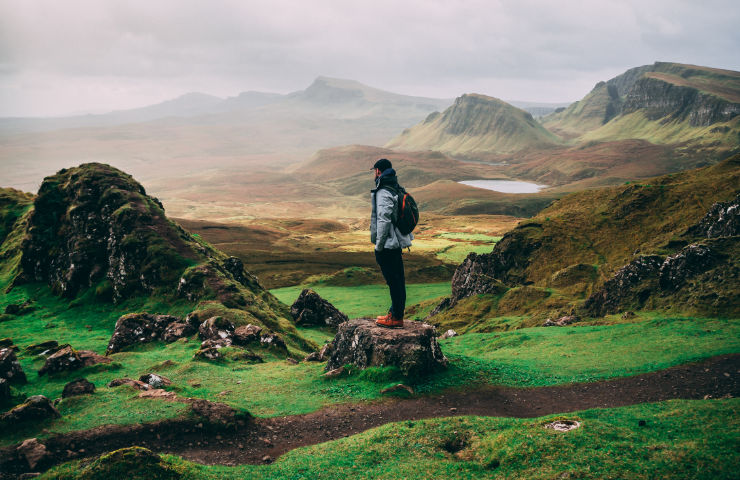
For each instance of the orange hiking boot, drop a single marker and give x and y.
(389, 321)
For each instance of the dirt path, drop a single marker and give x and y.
(713, 378)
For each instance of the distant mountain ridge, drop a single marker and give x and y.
(476, 123)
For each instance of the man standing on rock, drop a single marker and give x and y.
(389, 241)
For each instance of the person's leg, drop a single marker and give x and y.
(391, 265)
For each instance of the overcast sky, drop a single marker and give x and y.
(59, 57)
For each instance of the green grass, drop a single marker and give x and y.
(364, 301)
(546, 356)
(469, 237)
(687, 439)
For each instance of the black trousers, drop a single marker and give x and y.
(391, 264)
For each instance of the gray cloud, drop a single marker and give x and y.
(57, 57)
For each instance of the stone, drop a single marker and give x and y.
(137, 384)
(177, 330)
(216, 328)
(156, 381)
(67, 359)
(19, 308)
(722, 220)
(35, 408)
(10, 368)
(208, 352)
(273, 340)
(158, 393)
(630, 286)
(134, 328)
(7, 343)
(335, 372)
(398, 388)
(78, 387)
(413, 349)
(310, 309)
(4, 390)
(312, 357)
(33, 451)
(448, 334)
(689, 262)
(247, 334)
(560, 322)
(628, 315)
(43, 348)
(291, 361)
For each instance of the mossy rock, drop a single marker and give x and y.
(131, 463)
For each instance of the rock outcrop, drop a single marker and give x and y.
(35, 408)
(631, 286)
(413, 349)
(247, 334)
(310, 309)
(134, 328)
(95, 225)
(722, 220)
(77, 387)
(68, 359)
(10, 368)
(217, 329)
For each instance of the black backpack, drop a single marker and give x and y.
(408, 211)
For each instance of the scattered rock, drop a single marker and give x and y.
(209, 350)
(177, 330)
(35, 408)
(334, 373)
(325, 352)
(33, 451)
(19, 308)
(43, 348)
(10, 368)
(216, 328)
(78, 387)
(137, 384)
(291, 361)
(156, 381)
(628, 315)
(312, 357)
(134, 328)
(310, 309)
(398, 388)
(448, 334)
(413, 349)
(247, 334)
(267, 459)
(67, 359)
(273, 340)
(561, 322)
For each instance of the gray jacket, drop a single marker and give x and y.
(382, 231)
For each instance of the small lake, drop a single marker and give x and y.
(505, 186)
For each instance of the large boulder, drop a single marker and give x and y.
(310, 309)
(10, 368)
(35, 408)
(33, 451)
(136, 328)
(247, 334)
(68, 359)
(413, 349)
(46, 348)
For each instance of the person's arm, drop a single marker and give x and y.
(383, 213)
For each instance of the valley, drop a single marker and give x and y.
(163, 258)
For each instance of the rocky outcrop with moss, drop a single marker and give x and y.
(670, 243)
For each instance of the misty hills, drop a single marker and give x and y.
(476, 123)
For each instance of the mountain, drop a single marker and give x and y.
(671, 243)
(665, 103)
(476, 123)
(93, 233)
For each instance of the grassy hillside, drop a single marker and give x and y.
(475, 123)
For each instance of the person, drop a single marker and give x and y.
(389, 241)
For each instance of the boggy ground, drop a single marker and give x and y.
(263, 440)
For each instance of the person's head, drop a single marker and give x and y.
(381, 165)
